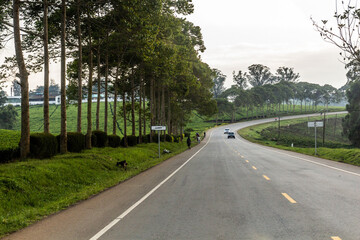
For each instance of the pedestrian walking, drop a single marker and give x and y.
(188, 141)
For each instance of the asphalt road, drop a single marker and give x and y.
(221, 189)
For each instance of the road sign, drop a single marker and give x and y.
(315, 124)
(158, 128)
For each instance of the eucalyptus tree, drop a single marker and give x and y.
(23, 75)
(259, 75)
(240, 79)
(219, 80)
(286, 74)
(63, 133)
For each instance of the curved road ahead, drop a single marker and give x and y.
(221, 189)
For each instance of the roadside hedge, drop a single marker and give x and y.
(9, 147)
(114, 141)
(132, 140)
(75, 142)
(43, 145)
(101, 139)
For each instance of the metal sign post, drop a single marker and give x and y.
(158, 129)
(314, 125)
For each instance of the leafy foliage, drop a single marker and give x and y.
(75, 142)
(101, 138)
(43, 145)
(351, 122)
(114, 141)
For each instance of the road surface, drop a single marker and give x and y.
(221, 189)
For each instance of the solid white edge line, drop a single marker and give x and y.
(317, 163)
(116, 220)
(307, 160)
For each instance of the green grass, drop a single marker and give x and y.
(37, 118)
(196, 122)
(36, 188)
(9, 139)
(341, 151)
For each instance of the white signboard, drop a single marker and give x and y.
(158, 128)
(318, 124)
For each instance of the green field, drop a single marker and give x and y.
(295, 132)
(196, 122)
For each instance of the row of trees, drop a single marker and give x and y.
(270, 94)
(136, 49)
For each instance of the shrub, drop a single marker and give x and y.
(132, 140)
(169, 138)
(101, 139)
(122, 142)
(75, 142)
(9, 147)
(155, 138)
(43, 145)
(7, 154)
(145, 139)
(114, 141)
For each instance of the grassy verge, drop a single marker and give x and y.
(343, 153)
(36, 188)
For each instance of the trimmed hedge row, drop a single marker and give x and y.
(44, 145)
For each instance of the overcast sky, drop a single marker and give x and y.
(275, 33)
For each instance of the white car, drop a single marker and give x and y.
(226, 131)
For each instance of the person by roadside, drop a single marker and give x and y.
(188, 141)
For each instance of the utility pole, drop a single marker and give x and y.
(279, 129)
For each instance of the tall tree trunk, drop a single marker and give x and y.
(163, 106)
(115, 99)
(89, 123)
(152, 101)
(140, 115)
(98, 90)
(106, 89)
(124, 116)
(79, 66)
(144, 109)
(115, 106)
(158, 115)
(63, 134)
(25, 122)
(169, 114)
(46, 69)
(133, 129)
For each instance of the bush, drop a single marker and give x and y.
(7, 154)
(101, 139)
(169, 138)
(145, 139)
(75, 142)
(9, 147)
(155, 138)
(43, 145)
(132, 140)
(114, 141)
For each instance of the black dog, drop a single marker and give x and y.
(122, 164)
